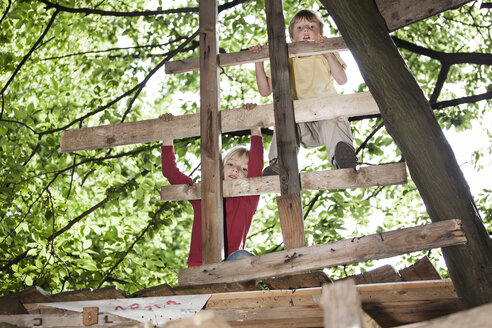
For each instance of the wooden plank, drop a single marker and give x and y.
(341, 305)
(394, 314)
(402, 13)
(283, 106)
(161, 290)
(357, 249)
(210, 147)
(304, 48)
(203, 319)
(405, 302)
(288, 316)
(184, 126)
(217, 288)
(89, 294)
(303, 280)
(421, 270)
(478, 317)
(291, 220)
(66, 320)
(365, 177)
(386, 273)
(425, 291)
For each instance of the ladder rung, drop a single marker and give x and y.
(370, 176)
(353, 250)
(184, 126)
(303, 48)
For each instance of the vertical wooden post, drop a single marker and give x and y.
(212, 204)
(341, 305)
(290, 216)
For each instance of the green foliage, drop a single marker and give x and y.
(94, 218)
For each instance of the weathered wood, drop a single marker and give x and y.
(291, 223)
(304, 48)
(386, 301)
(217, 288)
(421, 270)
(210, 146)
(89, 294)
(386, 273)
(303, 280)
(12, 303)
(357, 249)
(410, 121)
(66, 320)
(402, 13)
(183, 126)
(161, 290)
(365, 177)
(285, 124)
(341, 305)
(478, 317)
(203, 319)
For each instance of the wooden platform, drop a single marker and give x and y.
(291, 301)
(389, 304)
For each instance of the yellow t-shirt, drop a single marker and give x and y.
(310, 77)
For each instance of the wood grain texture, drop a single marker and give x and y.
(341, 305)
(210, 147)
(357, 249)
(291, 223)
(184, 126)
(283, 107)
(365, 177)
(398, 14)
(304, 48)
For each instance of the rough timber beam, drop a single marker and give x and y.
(398, 14)
(370, 176)
(304, 48)
(377, 246)
(357, 104)
(212, 205)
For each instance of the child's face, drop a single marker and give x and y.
(236, 167)
(304, 30)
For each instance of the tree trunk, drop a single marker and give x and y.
(410, 121)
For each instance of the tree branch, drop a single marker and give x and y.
(6, 11)
(150, 224)
(89, 11)
(463, 100)
(443, 57)
(26, 57)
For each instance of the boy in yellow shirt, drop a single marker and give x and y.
(312, 77)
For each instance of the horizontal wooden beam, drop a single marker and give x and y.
(303, 48)
(398, 14)
(62, 320)
(184, 126)
(365, 177)
(358, 249)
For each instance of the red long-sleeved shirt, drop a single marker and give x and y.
(239, 210)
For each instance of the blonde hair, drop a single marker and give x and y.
(239, 150)
(307, 14)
